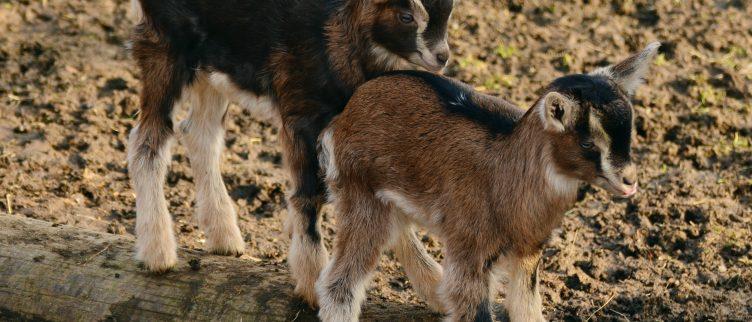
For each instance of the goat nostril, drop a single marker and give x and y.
(627, 181)
(442, 58)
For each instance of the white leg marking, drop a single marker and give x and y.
(155, 242)
(523, 300)
(399, 201)
(426, 218)
(203, 135)
(260, 107)
(333, 310)
(422, 270)
(306, 258)
(327, 156)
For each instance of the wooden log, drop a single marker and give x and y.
(61, 273)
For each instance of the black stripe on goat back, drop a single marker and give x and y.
(458, 101)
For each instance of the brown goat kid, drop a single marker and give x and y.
(298, 61)
(489, 179)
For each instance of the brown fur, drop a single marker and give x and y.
(303, 58)
(489, 179)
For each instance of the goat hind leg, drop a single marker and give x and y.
(363, 230)
(203, 135)
(422, 270)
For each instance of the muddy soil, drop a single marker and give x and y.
(680, 250)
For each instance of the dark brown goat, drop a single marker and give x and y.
(296, 60)
(489, 179)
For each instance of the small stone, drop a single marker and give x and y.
(116, 228)
(195, 264)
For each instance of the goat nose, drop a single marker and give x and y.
(442, 57)
(629, 175)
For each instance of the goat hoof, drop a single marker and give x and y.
(158, 262)
(307, 294)
(226, 244)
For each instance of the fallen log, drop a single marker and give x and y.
(61, 273)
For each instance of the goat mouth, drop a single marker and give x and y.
(622, 191)
(418, 58)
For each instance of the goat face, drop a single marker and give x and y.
(590, 118)
(412, 30)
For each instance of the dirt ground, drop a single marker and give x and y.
(680, 250)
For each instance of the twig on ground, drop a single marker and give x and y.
(9, 203)
(619, 313)
(600, 308)
(97, 254)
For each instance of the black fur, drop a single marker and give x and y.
(282, 49)
(603, 97)
(459, 99)
(534, 276)
(483, 312)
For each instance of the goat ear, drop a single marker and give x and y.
(556, 112)
(630, 73)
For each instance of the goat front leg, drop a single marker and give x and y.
(307, 255)
(203, 135)
(523, 300)
(466, 287)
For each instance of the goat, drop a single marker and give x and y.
(296, 60)
(489, 179)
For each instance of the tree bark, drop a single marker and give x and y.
(61, 273)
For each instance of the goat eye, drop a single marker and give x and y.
(587, 145)
(406, 18)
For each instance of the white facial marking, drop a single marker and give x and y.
(388, 60)
(603, 142)
(421, 15)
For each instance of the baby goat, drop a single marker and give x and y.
(298, 60)
(489, 179)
